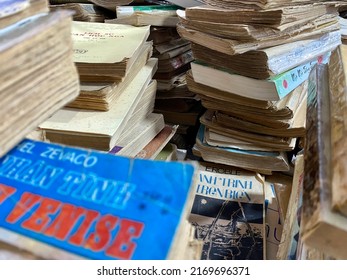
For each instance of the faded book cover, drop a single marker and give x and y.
(61, 203)
(228, 214)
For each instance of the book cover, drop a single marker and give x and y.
(93, 204)
(228, 213)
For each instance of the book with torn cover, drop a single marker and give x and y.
(229, 213)
(59, 202)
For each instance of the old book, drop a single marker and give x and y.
(111, 4)
(99, 208)
(254, 160)
(252, 64)
(272, 89)
(171, 53)
(338, 109)
(215, 138)
(270, 17)
(99, 130)
(248, 31)
(291, 228)
(13, 11)
(99, 96)
(176, 62)
(229, 213)
(33, 89)
(273, 216)
(168, 153)
(138, 135)
(85, 12)
(322, 227)
(190, 117)
(157, 144)
(161, 35)
(282, 110)
(140, 15)
(233, 47)
(186, 3)
(141, 127)
(173, 45)
(266, 124)
(261, 4)
(205, 91)
(261, 140)
(124, 11)
(105, 52)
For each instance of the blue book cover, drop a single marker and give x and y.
(93, 204)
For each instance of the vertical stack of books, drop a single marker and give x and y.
(38, 75)
(115, 104)
(173, 99)
(251, 69)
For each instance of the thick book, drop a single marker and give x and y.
(322, 227)
(270, 17)
(338, 108)
(36, 80)
(272, 89)
(100, 95)
(264, 162)
(229, 213)
(65, 203)
(258, 4)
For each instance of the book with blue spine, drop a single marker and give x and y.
(63, 202)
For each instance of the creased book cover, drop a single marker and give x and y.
(92, 204)
(228, 213)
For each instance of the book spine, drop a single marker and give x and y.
(290, 80)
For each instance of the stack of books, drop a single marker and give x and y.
(251, 68)
(38, 75)
(117, 90)
(173, 99)
(251, 72)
